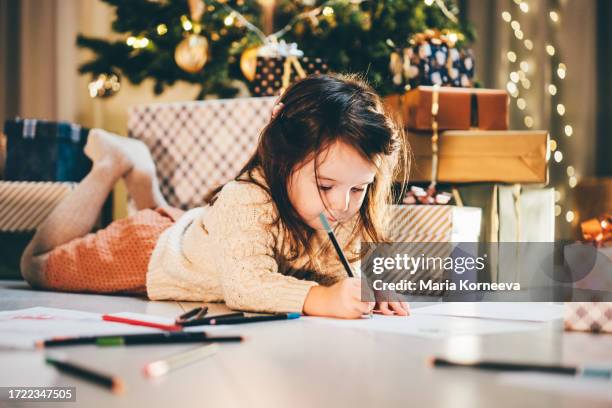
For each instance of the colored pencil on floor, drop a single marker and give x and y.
(115, 384)
(162, 367)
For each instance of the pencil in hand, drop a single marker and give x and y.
(334, 241)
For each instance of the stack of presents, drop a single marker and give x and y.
(471, 179)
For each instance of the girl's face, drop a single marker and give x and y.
(343, 178)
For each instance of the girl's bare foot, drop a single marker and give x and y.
(132, 159)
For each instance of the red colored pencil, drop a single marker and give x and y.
(168, 327)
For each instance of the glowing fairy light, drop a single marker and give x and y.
(514, 77)
(573, 181)
(511, 56)
(554, 16)
(506, 16)
(557, 210)
(528, 44)
(569, 130)
(570, 171)
(528, 121)
(552, 89)
(569, 216)
(162, 29)
(550, 50)
(558, 156)
(515, 25)
(524, 7)
(521, 104)
(525, 66)
(552, 145)
(560, 109)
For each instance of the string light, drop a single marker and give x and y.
(573, 181)
(554, 16)
(570, 171)
(553, 145)
(521, 104)
(518, 34)
(328, 11)
(552, 89)
(162, 29)
(524, 7)
(429, 2)
(550, 50)
(558, 156)
(569, 216)
(514, 76)
(137, 42)
(525, 66)
(569, 130)
(186, 23)
(529, 121)
(560, 109)
(229, 20)
(557, 210)
(506, 16)
(511, 56)
(528, 44)
(515, 25)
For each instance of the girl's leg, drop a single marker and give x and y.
(76, 215)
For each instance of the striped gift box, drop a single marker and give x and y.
(434, 223)
(25, 205)
(428, 226)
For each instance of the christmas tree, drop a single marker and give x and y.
(201, 41)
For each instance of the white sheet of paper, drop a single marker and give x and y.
(523, 311)
(428, 326)
(22, 328)
(589, 388)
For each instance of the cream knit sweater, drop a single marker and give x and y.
(228, 252)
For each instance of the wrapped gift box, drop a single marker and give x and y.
(431, 230)
(459, 108)
(588, 316)
(434, 223)
(482, 156)
(199, 145)
(269, 73)
(39, 150)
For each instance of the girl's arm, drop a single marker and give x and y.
(248, 269)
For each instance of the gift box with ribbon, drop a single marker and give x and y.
(456, 108)
(475, 156)
(40, 150)
(278, 65)
(433, 58)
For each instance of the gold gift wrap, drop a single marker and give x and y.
(474, 156)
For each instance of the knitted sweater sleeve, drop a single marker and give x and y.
(249, 273)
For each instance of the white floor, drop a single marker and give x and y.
(307, 364)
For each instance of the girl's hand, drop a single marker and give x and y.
(389, 308)
(342, 299)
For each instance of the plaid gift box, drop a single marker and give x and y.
(199, 145)
(39, 150)
(588, 316)
(270, 70)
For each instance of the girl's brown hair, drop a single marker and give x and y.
(316, 112)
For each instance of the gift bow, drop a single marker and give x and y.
(597, 230)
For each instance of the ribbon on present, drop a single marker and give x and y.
(291, 61)
(598, 230)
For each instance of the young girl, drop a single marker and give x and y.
(258, 244)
